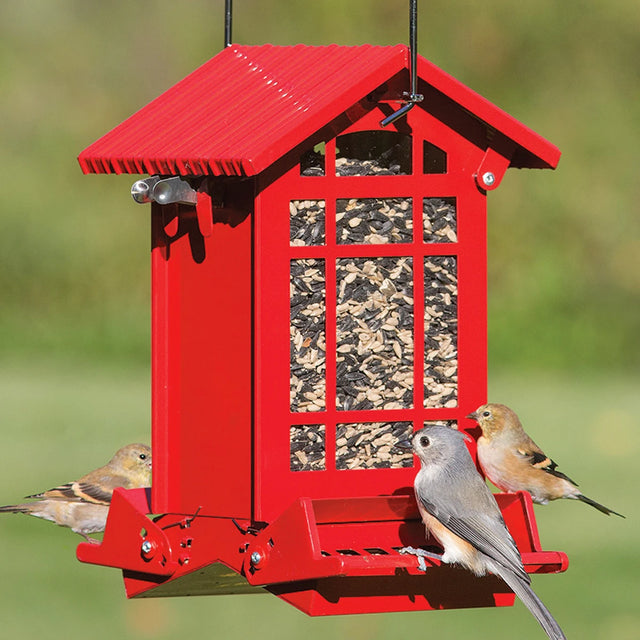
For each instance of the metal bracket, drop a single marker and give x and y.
(491, 169)
(131, 540)
(288, 550)
(168, 190)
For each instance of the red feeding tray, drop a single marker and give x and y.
(318, 294)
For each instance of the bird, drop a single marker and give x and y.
(461, 513)
(83, 505)
(514, 462)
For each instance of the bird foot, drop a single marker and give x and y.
(421, 554)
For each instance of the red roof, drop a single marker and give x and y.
(249, 105)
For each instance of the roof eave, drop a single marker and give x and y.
(532, 150)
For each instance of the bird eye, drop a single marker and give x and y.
(424, 441)
(143, 456)
(486, 414)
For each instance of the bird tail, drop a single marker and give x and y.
(598, 506)
(15, 508)
(534, 604)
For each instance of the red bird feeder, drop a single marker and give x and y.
(319, 293)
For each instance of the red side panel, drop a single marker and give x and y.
(201, 363)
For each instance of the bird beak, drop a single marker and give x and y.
(473, 416)
(404, 444)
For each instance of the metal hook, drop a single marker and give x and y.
(413, 97)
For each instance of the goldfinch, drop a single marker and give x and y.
(83, 505)
(514, 462)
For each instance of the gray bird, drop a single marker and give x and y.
(461, 513)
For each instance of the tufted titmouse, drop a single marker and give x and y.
(83, 505)
(514, 462)
(461, 513)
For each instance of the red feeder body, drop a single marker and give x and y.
(318, 295)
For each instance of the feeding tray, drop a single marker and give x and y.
(326, 556)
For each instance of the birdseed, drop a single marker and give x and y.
(439, 220)
(440, 332)
(372, 445)
(374, 319)
(374, 220)
(307, 447)
(307, 331)
(306, 222)
(355, 167)
(312, 163)
(374, 333)
(373, 153)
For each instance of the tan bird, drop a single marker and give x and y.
(83, 505)
(514, 462)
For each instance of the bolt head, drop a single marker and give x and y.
(140, 192)
(256, 558)
(146, 547)
(488, 178)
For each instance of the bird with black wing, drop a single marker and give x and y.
(83, 505)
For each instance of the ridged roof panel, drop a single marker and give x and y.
(249, 105)
(242, 109)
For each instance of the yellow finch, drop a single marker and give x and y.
(83, 505)
(514, 462)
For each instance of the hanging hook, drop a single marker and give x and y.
(413, 96)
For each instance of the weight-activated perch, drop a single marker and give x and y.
(83, 505)
(458, 509)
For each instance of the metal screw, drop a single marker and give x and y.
(146, 547)
(256, 558)
(141, 190)
(488, 178)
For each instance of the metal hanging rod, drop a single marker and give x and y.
(413, 97)
(228, 14)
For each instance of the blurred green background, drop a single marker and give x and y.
(564, 258)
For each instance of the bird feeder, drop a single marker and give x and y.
(318, 294)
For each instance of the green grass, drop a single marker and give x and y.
(59, 420)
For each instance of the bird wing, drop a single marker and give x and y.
(539, 460)
(77, 492)
(94, 493)
(63, 492)
(486, 532)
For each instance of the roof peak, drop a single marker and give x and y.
(250, 104)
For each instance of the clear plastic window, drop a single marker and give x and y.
(368, 153)
(307, 331)
(307, 447)
(306, 222)
(374, 333)
(440, 332)
(434, 159)
(372, 445)
(374, 220)
(439, 220)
